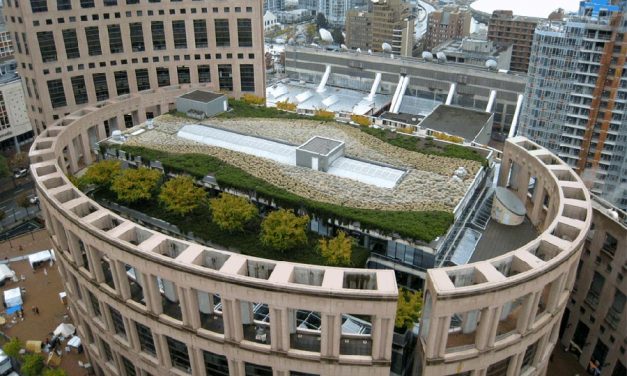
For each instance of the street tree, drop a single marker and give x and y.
(134, 185)
(283, 230)
(32, 365)
(102, 173)
(19, 160)
(230, 213)
(408, 308)
(13, 347)
(4, 167)
(338, 250)
(321, 21)
(181, 196)
(23, 201)
(54, 372)
(310, 32)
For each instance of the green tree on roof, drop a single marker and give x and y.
(338, 250)
(230, 213)
(102, 173)
(408, 308)
(283, 230)
(181, 196)
(134, 185)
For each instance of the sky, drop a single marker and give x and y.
(531, 8)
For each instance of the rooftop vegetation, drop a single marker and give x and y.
(419, 225)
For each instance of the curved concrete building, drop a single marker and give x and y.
(146, 303)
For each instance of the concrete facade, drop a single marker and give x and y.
(145, 302)
(450, 22)
(15, 127)
(77, 53)
(505, 28)
(502, 316)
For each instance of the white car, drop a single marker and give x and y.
(20, 172)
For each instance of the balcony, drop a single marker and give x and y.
(592, 299)
(613, 318)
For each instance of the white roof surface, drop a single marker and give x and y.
(13, 297)
(368, 173)
(39, 256)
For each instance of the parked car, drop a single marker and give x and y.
(20, 172)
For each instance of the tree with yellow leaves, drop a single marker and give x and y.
(181, 196)
(338, 250)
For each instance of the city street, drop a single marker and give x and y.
(8, 200)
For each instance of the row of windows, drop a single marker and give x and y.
(48, 48)
(225, 75)
(215, 364)
(38, 6)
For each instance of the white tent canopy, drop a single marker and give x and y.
(64, 330)
(6, 272)
(40, 257)
(13, 297)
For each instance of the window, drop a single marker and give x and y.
(158, 35)
(251, 369)
(115, 39)
(163, 77)
(143, 82)
(87, 3)
(64, 4)
(204, 73)
(178, 34)
(178, 354)
(71, 44)
(80, 93)
(225, 74)
(118, 322)
(223, 37)
(596, 287)
(200, 34)
(46, 46)
(95, 305)
(39, 6)
(92, 34)
(121, 83)
(247, 77)
(107, 351)
(146, 341)
(610, 244)
(100, 85)
(129, 368)
(57, 95)
(183, 75)
(137, 37)
(215, 365)
(110, 3)
(244, 32)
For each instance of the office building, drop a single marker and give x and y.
(390, 22)
(476, 50)
(15, 128)
(505, 28)
(91, 51)
(575, 101)
(449, 22)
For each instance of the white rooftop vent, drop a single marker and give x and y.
(441, 57)
(491, 64)
(326, 36)
(428, 56)
(386, 47)
(117, 135)
(612, 214)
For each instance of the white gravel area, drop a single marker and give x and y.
(426, 186)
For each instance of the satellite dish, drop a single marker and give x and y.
(358, 50)
(428, 56)
(386, 47)
(441, 57)
(369, 52)
(326, 36)
(344, 47)
(491, 64)
(613, 214)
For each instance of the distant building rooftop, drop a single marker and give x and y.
(458, 121)
(410, 119)
(202, 96)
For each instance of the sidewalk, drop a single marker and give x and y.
(29, 243)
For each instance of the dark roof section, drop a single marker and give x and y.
(202, 96)
(456, 121)
(402, 118)
(320, 145)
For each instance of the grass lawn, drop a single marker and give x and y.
(241, 109)
(424, 146)
(419, 225)
(246, 242)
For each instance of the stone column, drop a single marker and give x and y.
(183, 303)
(538, 199)
(152, 294)
(331, 335)
(94, 258)
(121, 279)
(72, 157)
(232, 316)
(279, 329)
(87, 157)
(101, 131)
